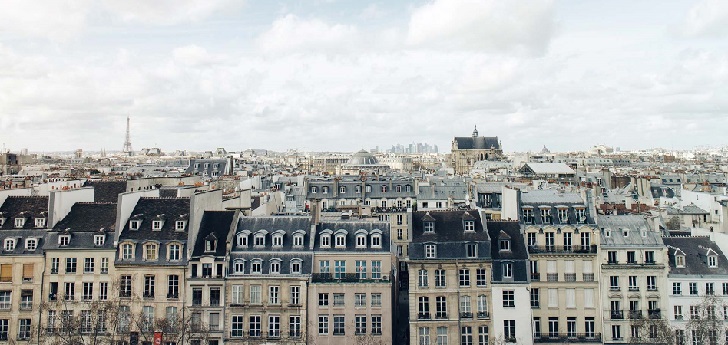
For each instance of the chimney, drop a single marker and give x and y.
(315, 211)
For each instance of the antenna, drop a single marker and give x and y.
(127, 143)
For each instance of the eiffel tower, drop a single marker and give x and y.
(127, 143)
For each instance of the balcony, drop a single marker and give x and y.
(424, 316)
(440, 315)
(634, 288)
(466, 315)
(552, 277)
(635, 314)
(616, 315)
(5, 305)
(654, 313)
(196, 301)
(568, 338)
(570, 277)
(588, 277)
(574, 249)
(294, 334)
(172, 296)
(125, 294)
(254, 333)
(26, 305)
(215, 302)
(344, 278)
(483, 315)
(614, 288)
(54, 271)
(535, 276)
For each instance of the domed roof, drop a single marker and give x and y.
(362, 158)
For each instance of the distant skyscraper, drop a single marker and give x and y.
(127, 143)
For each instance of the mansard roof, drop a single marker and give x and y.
(217, 224)
(28, 207)
(449, 226)
(695, 250)
(267, 225)
(107, 191)
(150, 209)
(477, 143)
(89, 217)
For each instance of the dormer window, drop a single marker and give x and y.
(256, 267)
(384, 189)
(505, 244)
(314, 190)
(527, 215)
(210, 245)
(376, 241)
(712, 261)
(469, 225)
(298, 240)
(156, 225)
(680, 261)
(398, 189)
(546, 215)
(580, 215)
(242, 240)
(64, 240)
(31, 244)
(471, 250)
(326, 241)
(19, 222)
(429, 226)
(368, 188)
(127, 251)
(296, 266)
(9, 244)
(278, 240)
(324, 190)
(361, 241)
(173, 252)
(625, 232)
(239, 266)
(259, 240)
(342, 189)
(340, 240)
(150, 251)
(179, 225)
(275, 266)
(357, 189)
(134, 224)
(430, 251)
(40, 222)
(99, 240)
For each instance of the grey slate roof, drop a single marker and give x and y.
(695, 249)
(638, 230)
(449, 235)
(351, 227)
(107, 191)
(20, 235)
(517, 256)
(477, 143)
(89, 217)
(215, 224)
(287, 224)
(28, 207)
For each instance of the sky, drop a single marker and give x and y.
(341, 75)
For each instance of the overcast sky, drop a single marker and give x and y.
(343, 75)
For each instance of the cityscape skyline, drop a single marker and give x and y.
(290, 75)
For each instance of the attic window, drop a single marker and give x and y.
(99, 240)
(19, 222)
(314, 190)
(326, 241)
(210, 245)
(469, 225)
(259, 240)
(134, 224)
(340, 240)
(429, 226)
(505, 244)
(342, 189)
(377, 241)
(40, 222)
(298, 240)
(156, 225)
(9, 245)
(278, 240)
(361, 241)
(64, 240)
(712, 261)
(179, 225)
(625, 232)
(31, 244)
(242, 240)
(680, 261)
(324, 190)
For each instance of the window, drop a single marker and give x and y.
(509, 300)
(125, 286)
(104, 265)
(70, 265)
(88, 265)
(259, 240)
(9, 244)
(323, 324)
(616, 332)
(430, 251)
(612, 257)
(24, 326)
(464, 277)
(507, 270)
(340, 240)
(149, 286)
(360, 324)
(429, 226)
(535, 298)
(471, 250)
(693, 288)
(70, 291)
(376, 241)
(553, 298)
(553, 327)
(325, 240)
(31, 244)
(64, 240)
(633, 283)
(324, 266)
(360, 300)
(150, 252)
(275, 266)
(298, 240)
(236, 326)
(440, 307)
(294, 326)
(505, 244)
(273, 294)
(126, 251)
(376, 299)
(509, 330)
(424, 307)
(256, 267)
(278, 240)
(361, 241)
(103, 291)
(254, 325)
(422, 278)
(323, 299)
(274, 326)
(709, 289)
(55, 263)
(466, 335)
(649, 257)
(339, 299)
(339, 324)
(614, 283)
(361, 269)
(295, 266)
(376, 269)
(480, 277)
(88, 291)
(680, 261)
(439, 278)
(339, 269)
(465, 309)
(677, 312)
(255, 294)
(156, 225)
(712, 261)
(469, 225)
(631, 257)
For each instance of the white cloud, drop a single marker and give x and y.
(48, 19)
(168, 12)
(194, 55)
(707, 18)
(485, 25)
(293, 34)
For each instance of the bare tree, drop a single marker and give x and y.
(706, 321)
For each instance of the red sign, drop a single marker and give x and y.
(157, 338)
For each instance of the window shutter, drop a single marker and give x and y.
(6, 272)
(587, 266)
(27, 271)
(569, 266)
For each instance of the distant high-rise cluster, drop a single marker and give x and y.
(414, 148)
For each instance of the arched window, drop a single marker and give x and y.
(239, 266)
(361, 241)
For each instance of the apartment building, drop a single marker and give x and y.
(563, 241)
(698, 291)
(451, 267)
(633, 275)
(351, 295)
(374, 191)
(207, 268)
(270, 265)
(23, 223)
